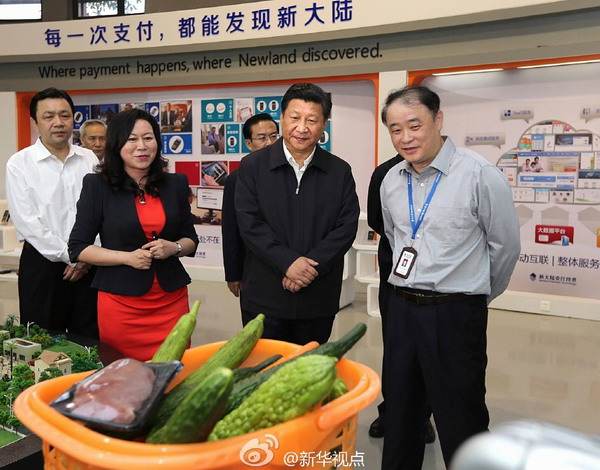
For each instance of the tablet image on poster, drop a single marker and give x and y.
(214, 173)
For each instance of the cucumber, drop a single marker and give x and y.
(243, 388)
(197, 414)
(230, 355)
(292, 391)
(341, 346)
(173, 347)
(245, 372)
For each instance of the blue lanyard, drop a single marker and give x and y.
(411, 208)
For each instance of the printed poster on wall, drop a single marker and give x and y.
(82, 114)
(269, 105)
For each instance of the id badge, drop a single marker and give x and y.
(405, 262)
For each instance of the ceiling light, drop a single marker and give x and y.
(460, 72)
(559, 64)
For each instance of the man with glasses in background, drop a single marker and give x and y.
(259, 131)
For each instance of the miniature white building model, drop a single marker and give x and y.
(22, 350)
(52, 359)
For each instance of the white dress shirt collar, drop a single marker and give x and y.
(43, 152)
(292, 161)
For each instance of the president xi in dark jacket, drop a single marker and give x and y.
(297, 211)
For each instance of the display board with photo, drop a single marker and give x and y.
(545, 137)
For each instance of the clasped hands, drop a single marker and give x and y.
(156, 249)
(300, 274)
(74, 273)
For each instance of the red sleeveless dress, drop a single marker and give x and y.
(137, 325)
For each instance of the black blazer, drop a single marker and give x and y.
(375, 216)
(234, 251)
(168, 116)
(280, 221)
(114, 217)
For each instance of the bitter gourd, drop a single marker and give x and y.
(173, 347)
(338, 389)
(292, 391)
(230, 355)
(243, 388)
(197, 414)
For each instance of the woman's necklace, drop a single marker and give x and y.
(141, 186)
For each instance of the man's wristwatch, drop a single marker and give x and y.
(178, 247)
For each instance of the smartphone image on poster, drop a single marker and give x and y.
(176, 144)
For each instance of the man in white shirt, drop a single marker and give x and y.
(43, 183)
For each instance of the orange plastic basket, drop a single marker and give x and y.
(323, 438)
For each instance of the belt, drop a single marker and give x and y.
(425, 297)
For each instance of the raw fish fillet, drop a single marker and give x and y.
(114, 393)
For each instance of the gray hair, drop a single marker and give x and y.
(90, 122)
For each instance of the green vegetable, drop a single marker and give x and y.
(245, 372)
(230, 355)
(292, 391)
(197, 414)
(341, 346)
(243, 388)
(339, 388)
(173, 347)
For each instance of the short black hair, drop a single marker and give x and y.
(112, 167)
(48, 93)
(251, 121)
(412, 96)
(307, 92)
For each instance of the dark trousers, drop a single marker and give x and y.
(385, 290)
(52, 303)
(298, 331)
(435, 352)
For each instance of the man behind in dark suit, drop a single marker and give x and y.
(297, 210)
(168, 117)
(259, 131)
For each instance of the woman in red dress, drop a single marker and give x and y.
(144, 220)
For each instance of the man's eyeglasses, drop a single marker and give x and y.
(264, 138)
